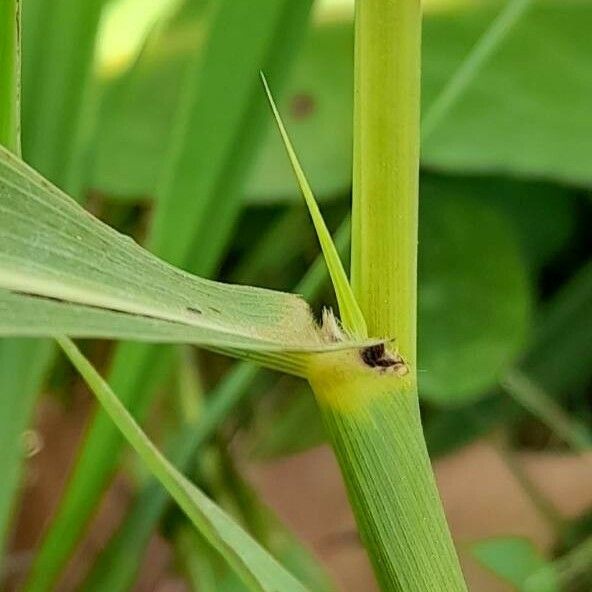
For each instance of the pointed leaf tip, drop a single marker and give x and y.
(351, 314)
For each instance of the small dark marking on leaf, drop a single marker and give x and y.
(31, 295)
(194, 310)
(214, 309)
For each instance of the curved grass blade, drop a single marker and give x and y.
(259, 570)
(32, 316)
(351, 315)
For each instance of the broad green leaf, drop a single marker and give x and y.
(51, 248)
(543, 214)
(539, 129)
(131, 137)
(318, 112)
(256, 567)
(486, 46)
(474, 297)
(516, 560)
(565, 368)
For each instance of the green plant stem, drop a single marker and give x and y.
(374, 424)
(372, 413)
(386, 168)
(535, 400)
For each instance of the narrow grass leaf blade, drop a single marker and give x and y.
(33, 316)
(350, 312)
(51, 247)
(10, 75)
(256, 567)
(117, 566)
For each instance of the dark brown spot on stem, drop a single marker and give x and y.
(377, 356)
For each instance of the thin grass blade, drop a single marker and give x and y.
(10, 19)
(509, 16)
(259, 570)
(351, 315)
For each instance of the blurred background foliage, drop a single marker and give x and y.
(152, 113)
